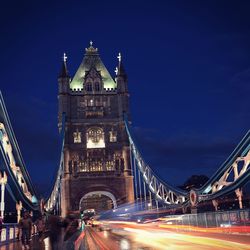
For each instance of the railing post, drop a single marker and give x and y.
(216, 220)
(145, 193)
(3, 181)
(205, 217)
(189, 223)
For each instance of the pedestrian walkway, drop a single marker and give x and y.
(35, 244)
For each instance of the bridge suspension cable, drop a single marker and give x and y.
(230, 177)
(19, 184)
(162, 191)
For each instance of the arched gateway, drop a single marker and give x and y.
(97, 171)
(98, 200)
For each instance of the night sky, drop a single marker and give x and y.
(188, 65)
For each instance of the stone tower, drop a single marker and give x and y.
(97, 170)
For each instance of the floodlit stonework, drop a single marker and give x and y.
(96, 146)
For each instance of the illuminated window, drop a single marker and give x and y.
(110, 166)
(77, 137)
(95, 138)
(84, 167)
(112, 136)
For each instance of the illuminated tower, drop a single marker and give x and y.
(97, 171)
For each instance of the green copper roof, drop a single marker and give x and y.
(92, 59)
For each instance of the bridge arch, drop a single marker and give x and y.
(92, 194)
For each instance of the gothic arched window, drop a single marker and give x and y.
(89, 87)
(95, 138)
(77, 137)
(112, 136)
(97, 86)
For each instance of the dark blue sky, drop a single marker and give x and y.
(188, 64)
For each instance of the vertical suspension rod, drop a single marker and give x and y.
(157, 206)
(150, 200)
(135, 176)
(145, 194)
(140, 189)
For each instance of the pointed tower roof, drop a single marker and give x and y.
(64, 70)
(92, 59)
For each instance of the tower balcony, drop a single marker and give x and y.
(98, 174)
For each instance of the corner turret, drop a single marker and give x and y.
(63, 90)
(63, 77)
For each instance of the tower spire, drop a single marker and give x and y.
(121, 76)
(64, 70)
(120, 71)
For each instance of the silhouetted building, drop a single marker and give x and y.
(195, 181)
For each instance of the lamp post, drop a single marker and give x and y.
(239, 195)
(3, 182)
(19, 207)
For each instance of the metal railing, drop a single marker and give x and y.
(9, 233)
(233, 221)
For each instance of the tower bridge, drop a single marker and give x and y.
(101, 166)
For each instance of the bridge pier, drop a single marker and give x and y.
(3, 182)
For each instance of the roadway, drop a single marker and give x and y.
(114, 235)
(124, 236)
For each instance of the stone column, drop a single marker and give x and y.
(3, 181)
(126, 157)
(66, 160)
(65, 195)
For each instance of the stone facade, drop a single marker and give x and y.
(96, 146)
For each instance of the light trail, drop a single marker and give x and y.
(170, 240)
(157, 235)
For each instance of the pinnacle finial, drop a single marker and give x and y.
(91, 48)
(65, 57)
(119, 57)
(64, 70)
(116, 71)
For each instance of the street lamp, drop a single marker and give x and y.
(3, 182)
